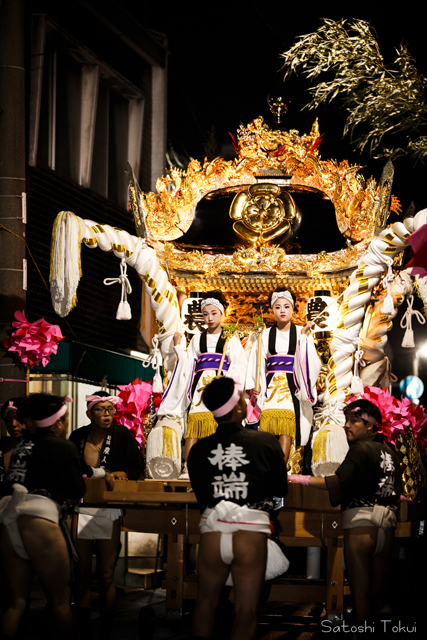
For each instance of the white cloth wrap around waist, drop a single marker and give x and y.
(96, 523)
(228, 518)
(22, 503)
(378, 516)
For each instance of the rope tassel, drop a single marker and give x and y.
(155, 360)
(388, 305)
(408, 341)
(356, 386)
(123, 311)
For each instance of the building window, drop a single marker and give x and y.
(86, 119)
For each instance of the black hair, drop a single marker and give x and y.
(39, 406)
(101, 394)
(216, 394)
(364, 406)
(218, 295)
(280, 290)
(16, 401)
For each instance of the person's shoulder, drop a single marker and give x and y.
(79, 433)
(205, 443)
(61, 444)
(122, 432)
(389, 450)
(117, 428)
(259, 441)
(362, 450)
(261, 438)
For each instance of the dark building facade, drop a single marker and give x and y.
(84, 89)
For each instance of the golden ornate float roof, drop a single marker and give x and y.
(169, 212)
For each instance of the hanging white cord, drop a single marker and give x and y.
(356, 386)
(123, 310)
(406, 323)
(388, 304)
(155, 360)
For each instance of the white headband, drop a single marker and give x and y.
(282, 294)
(216, 303)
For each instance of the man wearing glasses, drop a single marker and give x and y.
(107, 450)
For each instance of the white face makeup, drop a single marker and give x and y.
(212, 317)
(283, 311)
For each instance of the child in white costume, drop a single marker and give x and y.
(202, 361)
(289, 371)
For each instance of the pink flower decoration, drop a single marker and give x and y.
(33, 342)
(396, 414)
(133, 407)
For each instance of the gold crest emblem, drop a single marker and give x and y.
(261, 215)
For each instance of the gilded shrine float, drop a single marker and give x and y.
(276, 215)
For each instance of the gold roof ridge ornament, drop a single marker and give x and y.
(262, 152)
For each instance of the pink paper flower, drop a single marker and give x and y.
(133, 407)
(396, 414)
(33, 342)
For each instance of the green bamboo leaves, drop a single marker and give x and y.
(380, 101)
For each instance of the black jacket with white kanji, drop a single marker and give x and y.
(369, 475)
(46, 465)
(241, 465)
(119, 452)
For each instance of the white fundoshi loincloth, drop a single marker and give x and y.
(378, 516)
(228, 518)
(96, 523)
(23, 503)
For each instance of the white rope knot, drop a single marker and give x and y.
(123, 310)
(408, 341)
(356, 386)
(155, 357)
(155, 360)
(331, 412)
(388, 304)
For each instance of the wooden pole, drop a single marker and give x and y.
(258, 363)
(224, 351)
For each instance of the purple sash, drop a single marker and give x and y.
(280, 362)
(207, 361)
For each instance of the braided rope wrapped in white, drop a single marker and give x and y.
(373, 264)
(69, 231)
(377, 260)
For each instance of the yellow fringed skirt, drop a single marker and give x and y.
(201, 424)
(280, 422)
